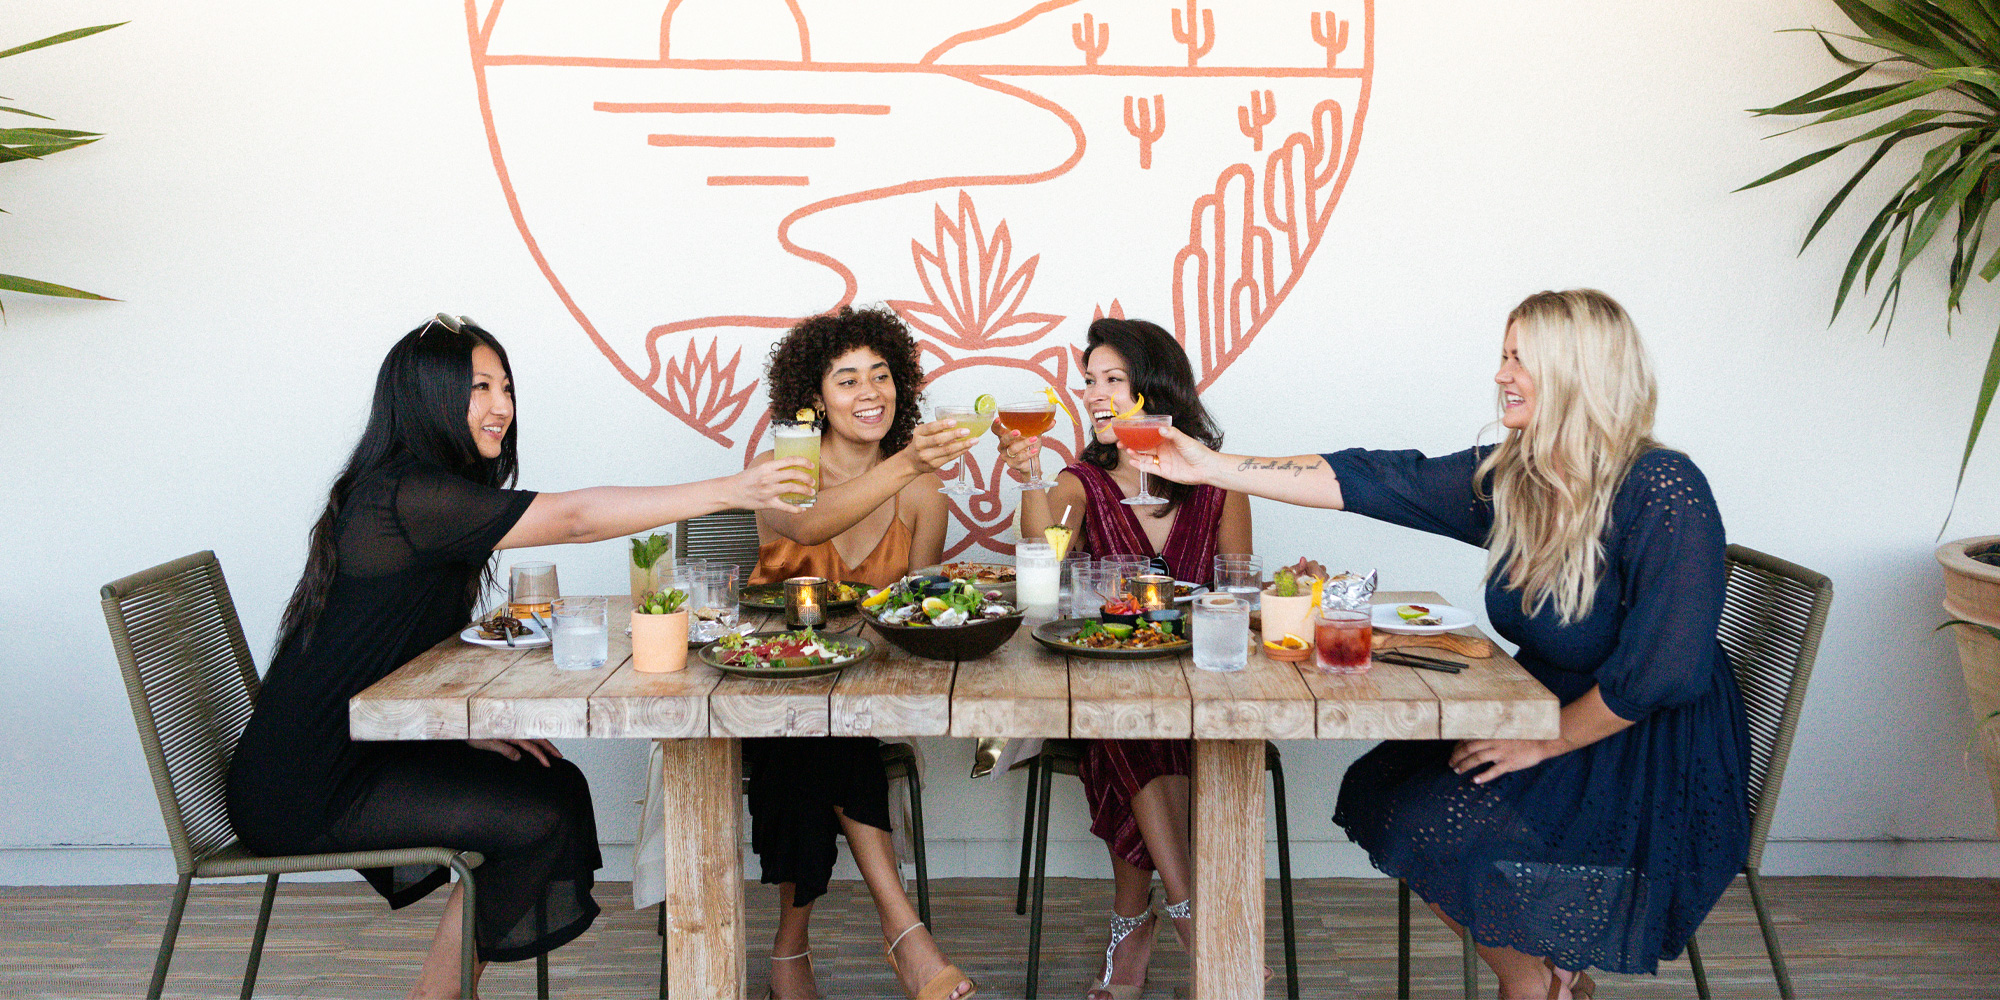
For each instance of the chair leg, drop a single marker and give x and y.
(915, 786)
(257, 939)
(542, 960)
(663, 951)
(1027, 838)
(1277, 770)
(1695, 966)
(1402, 940)
(167, 936)
(1468, 960)
(1041, 872)
(468, 948)
(1770, 930)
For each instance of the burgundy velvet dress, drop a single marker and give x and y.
(1115, 770)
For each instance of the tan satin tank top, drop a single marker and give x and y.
(781, 558)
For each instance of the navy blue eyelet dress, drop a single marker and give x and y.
(1608, 856)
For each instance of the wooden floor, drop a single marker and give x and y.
(1844, 937)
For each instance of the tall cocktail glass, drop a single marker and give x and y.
(1030, 418)
(1142, 434)
(797, 439)
(974, 421)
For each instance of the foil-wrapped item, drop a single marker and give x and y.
(1348, 592)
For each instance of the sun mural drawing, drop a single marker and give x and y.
(693, 177)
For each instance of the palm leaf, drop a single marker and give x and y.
(67, 36)
(1982, 626)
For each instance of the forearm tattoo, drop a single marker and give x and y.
(1279, 465)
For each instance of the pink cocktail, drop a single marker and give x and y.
(1142, 434)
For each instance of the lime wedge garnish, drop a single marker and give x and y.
(985, 404)
(1411, 612)
(1118, 630)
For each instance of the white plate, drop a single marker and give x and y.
(1387, 620)
(535, 637)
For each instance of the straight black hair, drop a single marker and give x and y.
(1156, 366)
(423, 392)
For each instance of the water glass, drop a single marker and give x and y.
(717, 613)
(530, 588)
(1037, 580)
(1241, 574)
(579, 633)
(1122, 568)
(1076, 584)
(1342, 641)
(1221, 632)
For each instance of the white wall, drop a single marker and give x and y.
(284, 189)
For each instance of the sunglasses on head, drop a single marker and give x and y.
(456, 324)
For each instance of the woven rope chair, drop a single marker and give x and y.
(1066, 757)
(1772, 617)
(192, 683)
(730, 536)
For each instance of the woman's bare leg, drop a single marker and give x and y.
(1161, 811)
(875, 855)
(438, 980)
(792, 978)
(1522, 976)
(1131, 896)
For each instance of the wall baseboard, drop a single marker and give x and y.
(150, 865)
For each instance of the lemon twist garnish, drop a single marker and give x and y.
(1057, 400)
(1318, 586)
(805, 413)
(1138, 407)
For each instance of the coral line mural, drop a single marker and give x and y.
(692, 177)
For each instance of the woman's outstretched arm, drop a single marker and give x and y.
(600, 512)
(1305, 480)
(838, 508)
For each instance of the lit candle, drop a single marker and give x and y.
(1154, 591)
(803, 605)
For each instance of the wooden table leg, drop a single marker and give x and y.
(1228, 810)
(703, 786)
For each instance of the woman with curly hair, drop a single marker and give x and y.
(878, 513)
(1137, 789)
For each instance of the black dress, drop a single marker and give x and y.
(413, 540)
(1610, 855)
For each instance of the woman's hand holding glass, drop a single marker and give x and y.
(1179, 458)
(759, 486)
(1018, 451)
(936, 445)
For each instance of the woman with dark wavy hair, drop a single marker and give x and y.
(878, 514)
(1137, 789)
(397, 563)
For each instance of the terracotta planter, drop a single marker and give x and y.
(659, 642)
(1972, 592)
(1287, 614)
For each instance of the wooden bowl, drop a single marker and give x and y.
(1287, 655)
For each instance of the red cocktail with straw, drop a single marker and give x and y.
(1142, 434)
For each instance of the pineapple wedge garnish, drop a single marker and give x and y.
(1058, 537)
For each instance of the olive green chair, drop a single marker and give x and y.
(1772, 616)
(1066, 757)
(192, 684)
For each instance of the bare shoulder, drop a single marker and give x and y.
(759, 457)
(920, 497)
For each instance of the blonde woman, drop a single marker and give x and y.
(1605, 846)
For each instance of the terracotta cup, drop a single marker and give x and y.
(1287, 614)
(660, 642)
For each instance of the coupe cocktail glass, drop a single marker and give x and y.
(1142, 434)
(1030, 418)
(974, 421)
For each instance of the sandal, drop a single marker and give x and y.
(771, 992)
(939, 988)
(1580, 988)
(1183, 910)
(1121, 928)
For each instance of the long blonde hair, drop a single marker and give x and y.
(1553, 482)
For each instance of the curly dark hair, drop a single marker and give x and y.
(800, 361)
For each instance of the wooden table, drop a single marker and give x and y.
(461, 691)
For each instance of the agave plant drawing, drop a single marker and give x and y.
(1934, 48)
(34, 143)
(975, 293)
(702, 392)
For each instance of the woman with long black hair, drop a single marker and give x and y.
(398, 560)
(1137, 789)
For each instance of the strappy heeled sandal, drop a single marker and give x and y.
(1184, 910)
(939, 988)
(771, 992)
(1121, 928)
(1580, 988)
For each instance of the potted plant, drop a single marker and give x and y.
(660, 632)
(1288, 606)
(1942, 64)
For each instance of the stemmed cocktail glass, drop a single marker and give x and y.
(1029, 418)
(974, 421)
(1142, 434)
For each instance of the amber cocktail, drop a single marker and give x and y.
(1029, 418)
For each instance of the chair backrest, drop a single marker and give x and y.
(726, 536)
(192, 683)
(1772, 617)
